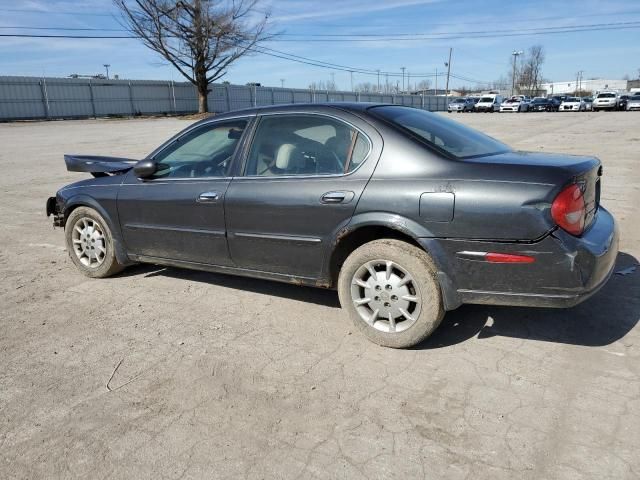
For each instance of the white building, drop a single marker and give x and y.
(593, 85)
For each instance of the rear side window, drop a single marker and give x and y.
(305, 145)
(446, 135)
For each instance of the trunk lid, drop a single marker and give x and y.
(555, 170)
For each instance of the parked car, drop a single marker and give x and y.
(622, 101)
(606, 101)
(406, 213)
(573, 104)
(514, 104)
(633, 103)
(541, 104)
(588, 103)
(461, 105)
(489, 103)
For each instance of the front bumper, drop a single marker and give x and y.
(52, 208)
(567, 269)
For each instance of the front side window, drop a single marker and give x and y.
(203, 152)
(441, 133)
(305, 145)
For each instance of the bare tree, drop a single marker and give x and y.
(530, 75)
(365, 87)
(423, 85)
(200, 38)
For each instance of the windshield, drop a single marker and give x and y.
(446, 135)
(572, 99)
(486, 99)
(459, 100)
(635, 97)
(539, 100)
(607, 95)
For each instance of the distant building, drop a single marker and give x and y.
(593, 85)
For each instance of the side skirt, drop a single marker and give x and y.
(244, 272)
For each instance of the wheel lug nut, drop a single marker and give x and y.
(388, 287)
(378, 287)
(394, 297)
(387, 304)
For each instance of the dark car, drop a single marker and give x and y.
(540, 104)
(622, 102)
(406, 213)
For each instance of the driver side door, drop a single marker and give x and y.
(178, 214)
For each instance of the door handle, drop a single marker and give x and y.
(208, 197)
(337, 197)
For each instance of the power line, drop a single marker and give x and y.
(437, 34)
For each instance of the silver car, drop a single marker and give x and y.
(633, 103)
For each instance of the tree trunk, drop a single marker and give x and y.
(203, 107)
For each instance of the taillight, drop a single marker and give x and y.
(569, 211)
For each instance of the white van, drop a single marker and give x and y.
(489, 103)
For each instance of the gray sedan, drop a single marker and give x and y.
(406, 213)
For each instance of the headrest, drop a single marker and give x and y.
(284, 156)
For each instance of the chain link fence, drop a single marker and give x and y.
(31, 98)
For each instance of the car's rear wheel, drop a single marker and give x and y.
(90, 243)
(391, 292)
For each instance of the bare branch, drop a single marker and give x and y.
(200, 38)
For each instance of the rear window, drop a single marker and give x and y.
(443, 134)
(606, 95)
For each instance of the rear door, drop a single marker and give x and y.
(179, 213)
(303, 176)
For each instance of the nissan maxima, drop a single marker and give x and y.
(406, 213)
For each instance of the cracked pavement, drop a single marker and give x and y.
(228, 377)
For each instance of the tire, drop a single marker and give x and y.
(416, 306)
(90, 243)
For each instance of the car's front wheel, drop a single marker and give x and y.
(391, 292)
(90, 243)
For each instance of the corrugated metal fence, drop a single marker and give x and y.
(25, 98)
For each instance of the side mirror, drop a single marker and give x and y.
(145, 168)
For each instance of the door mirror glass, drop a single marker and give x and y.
(145, 168)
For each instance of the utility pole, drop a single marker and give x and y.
(282, 83)
(580, 81)
(386, 83)
(333, 81)
(106, 66)
(446, 88)
(403, 69)
(435, 90)
(378, 80)
(515, 54)
(351, 75)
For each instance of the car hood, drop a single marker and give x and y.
(95, 164)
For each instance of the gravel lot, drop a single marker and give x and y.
(225, 377)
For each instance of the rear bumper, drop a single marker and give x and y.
(567, 269)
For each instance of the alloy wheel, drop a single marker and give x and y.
(89, 242)
(385, 296)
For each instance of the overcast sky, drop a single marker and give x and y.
(610, 53)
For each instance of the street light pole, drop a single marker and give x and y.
(403, 69)
(515, 54)
(106, 66)
(378, 80)
(446, 88)
(282, 83)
